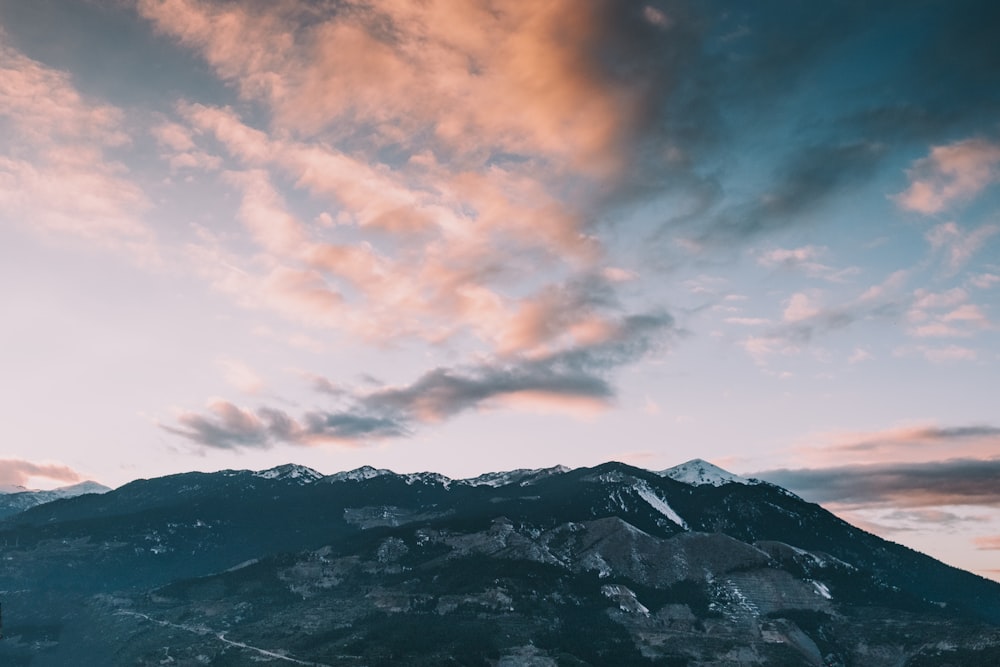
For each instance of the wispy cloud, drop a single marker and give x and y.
(919, 443)
(18, 472)
(948, 482)
(565, 380)
(957, 246)
(56, 173)
(240, 375)
(987, 542)
(805, 259)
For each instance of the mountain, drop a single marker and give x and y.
(611, 565)
(699, 472)
(18, 499)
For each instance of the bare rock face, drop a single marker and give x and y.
(611, 565)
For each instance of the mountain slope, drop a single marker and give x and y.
(19, 499)
(604, 565)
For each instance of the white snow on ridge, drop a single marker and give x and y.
(427, 478)
(698, 472)
(79, 489)
(522, 476)
(659, 504)
(358, 474)
(291, 471)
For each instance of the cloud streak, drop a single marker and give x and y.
(18, 472)
(949, 482)
(567, 379)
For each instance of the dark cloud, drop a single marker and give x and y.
(227, 426)
(927, 435)
(576, 373)
(851, 82)
(955, 482)
(808, 179)
(18, 472)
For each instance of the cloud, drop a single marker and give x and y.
(948, 482)
(800, 307)
(859, 355)
(985, 280)
(566, 380)
(987, 542)
(803, 318)
(917, 443)
(808, 179)
(945, 315)
(228, 426)
(952, 173)
(957, 246)
(941, 354)
(55, 171)
(805, 259)
(240, 375)
(470, 77)
(17, 472)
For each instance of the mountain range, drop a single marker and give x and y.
(610, 565)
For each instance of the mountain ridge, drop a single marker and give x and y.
(648, 560)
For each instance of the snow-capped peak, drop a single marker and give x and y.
(427, 478)
(698, 472)
(71, 491)
(80, 489)
(359, 474)
(291, 471)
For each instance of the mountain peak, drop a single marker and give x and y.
(80, 488)
(359, 474)
(291, 471)
(699, 472)
(522, 476)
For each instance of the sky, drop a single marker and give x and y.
(477, 235)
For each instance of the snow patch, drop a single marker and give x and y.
(626, 599)
(659, 504)
(822, 589)
(291, 471)
(427, 478)
(698, 472)
(521, 476)
(359, 474)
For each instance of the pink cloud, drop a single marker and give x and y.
(800, 307)
(516, 77)
(987, 542)
(951, 173)
(914, 444)
(16, 472)
(959, 246)
(55, 174)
